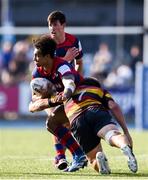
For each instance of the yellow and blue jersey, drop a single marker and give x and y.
(84, 97)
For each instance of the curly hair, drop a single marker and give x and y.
(46, 45)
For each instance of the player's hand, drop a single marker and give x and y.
(71, 54)
(59, 98)
(38, 105)
(35, 98)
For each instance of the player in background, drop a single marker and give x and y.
(68, 48)
(65, 78)
(89, 110)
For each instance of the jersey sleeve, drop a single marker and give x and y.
(65, 69)
(35, 73)
(79, 46)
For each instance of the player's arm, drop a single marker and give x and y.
(75, 53)
(79, 65)
(38, 105)
(69, 86)
(117, 113)
(68, 79)
(79, 60)
(71, 54)
(42, 104)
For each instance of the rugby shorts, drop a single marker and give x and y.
(86, 126)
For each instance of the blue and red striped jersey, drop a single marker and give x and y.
(60, 68)
(70, 41)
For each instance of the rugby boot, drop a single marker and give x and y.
(61, 164)
(132, 162)
(78, 162)
(102, 163)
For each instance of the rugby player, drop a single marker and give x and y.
(89, 113)
(63, 76)
(68, 46)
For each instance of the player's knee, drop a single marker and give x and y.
(110, 134)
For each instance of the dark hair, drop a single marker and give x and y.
(91, 81)
(46, 45)
(55, 16)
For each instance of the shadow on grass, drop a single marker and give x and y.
(138, 174)
(28, 174)
(79, 173)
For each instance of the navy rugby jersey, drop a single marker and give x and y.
(84, 97)
(60, 68)
(70, 41)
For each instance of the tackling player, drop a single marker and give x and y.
(89, 113)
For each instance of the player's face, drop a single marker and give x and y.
(56, 29)
(38, 58)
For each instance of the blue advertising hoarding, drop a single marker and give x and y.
(141, 97)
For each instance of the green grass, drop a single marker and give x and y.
(29, 154)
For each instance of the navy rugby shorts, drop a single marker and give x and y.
(86, 126)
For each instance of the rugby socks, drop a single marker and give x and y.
(60, 150)
(68, 140)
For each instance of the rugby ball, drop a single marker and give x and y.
(41, 86)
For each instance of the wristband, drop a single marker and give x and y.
(68, 93)
(49, 102)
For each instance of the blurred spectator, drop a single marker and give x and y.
(6, 54)
(102, 62)
(121, 77)
(135, 57)
(18, 66)
(86, 66)
(124, 74)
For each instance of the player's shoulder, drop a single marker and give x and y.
(71, 37)
(59, 62)
(35, 70)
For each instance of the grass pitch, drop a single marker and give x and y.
(29, 154)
